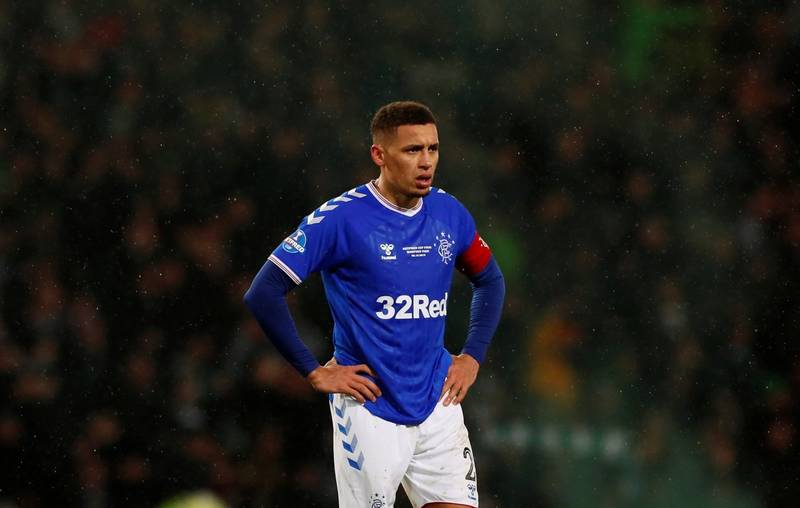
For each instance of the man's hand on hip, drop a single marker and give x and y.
(460, 377)
(335, 378)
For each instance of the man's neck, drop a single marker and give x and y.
(396, 198)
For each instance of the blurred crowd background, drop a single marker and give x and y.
(633, 164)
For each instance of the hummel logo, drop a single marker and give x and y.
(387, 249)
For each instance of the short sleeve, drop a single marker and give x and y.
(311, 248)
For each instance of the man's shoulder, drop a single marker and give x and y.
(437, 194)
(337, 208)
(440, 199)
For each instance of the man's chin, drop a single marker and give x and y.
(422, 190)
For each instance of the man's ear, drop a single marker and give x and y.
(376, 151)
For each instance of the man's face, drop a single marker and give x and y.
(408, 159)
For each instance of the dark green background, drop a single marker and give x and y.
(633, 166)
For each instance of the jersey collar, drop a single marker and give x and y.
(408, 212)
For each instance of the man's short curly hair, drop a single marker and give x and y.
(391, 116)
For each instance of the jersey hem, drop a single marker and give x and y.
(394, 417)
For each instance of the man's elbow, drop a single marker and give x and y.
(250, 297)
(499, 284)
(497, 276)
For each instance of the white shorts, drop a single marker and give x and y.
(433, 460)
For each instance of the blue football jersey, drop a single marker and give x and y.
(387, 273)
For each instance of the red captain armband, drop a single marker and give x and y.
(475, 258)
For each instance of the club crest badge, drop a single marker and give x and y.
(377, 501)
(446, 246)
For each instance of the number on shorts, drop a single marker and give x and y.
(471, 473)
